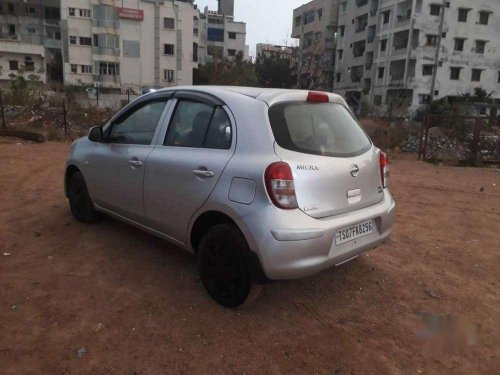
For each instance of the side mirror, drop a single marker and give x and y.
(96, 134)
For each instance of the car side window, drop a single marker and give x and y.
(219, 134)
(138, 127)
(199, 125)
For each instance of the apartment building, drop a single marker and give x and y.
(283, 52)
(315, 26)
(221, 36)
(30, 39)
(129, 44)
(386, 53)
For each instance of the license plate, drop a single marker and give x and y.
(354, 231)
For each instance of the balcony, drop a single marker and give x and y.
(108, 51)
(113, 24)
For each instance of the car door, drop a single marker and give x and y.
(181, 173)
(117, 172)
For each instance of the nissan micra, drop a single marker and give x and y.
(260, 184)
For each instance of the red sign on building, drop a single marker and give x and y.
(131, 14)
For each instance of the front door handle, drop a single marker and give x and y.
(135, 163)
(203, 173)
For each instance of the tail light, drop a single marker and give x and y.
(280, 187)
(385, 172)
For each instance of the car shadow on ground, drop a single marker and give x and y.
(166, 264)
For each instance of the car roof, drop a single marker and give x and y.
(268, 95)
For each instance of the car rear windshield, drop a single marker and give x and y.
(326, 129)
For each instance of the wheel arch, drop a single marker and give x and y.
(70, 170)
(203, 222)
(210, 218)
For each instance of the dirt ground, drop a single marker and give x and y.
(107, 298)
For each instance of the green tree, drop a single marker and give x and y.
(274, 71)
(226, 72)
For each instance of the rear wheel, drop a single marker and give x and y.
(223, 268)
(80, 203)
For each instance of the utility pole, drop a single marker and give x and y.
(438, 50)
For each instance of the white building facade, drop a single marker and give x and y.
(314, 25)
(30, 39)
(129, 44)
(221, 36)
(386, 50)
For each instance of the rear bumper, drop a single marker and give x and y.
(297, 245)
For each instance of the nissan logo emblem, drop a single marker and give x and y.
(354, 170)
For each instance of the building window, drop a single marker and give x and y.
(86, 69)
(30, 9)
(484, 18)
(343, 6)
(455, 73)
(30, 30)
(13, 65)
(463, 13)
(11, 8)
(476, 75)
(298, 21)
(432, 40)
(109, 68)
(231, 52)
(29, 65)
(85, 41)
(386, 16)
(309, 17)
(377, 100)
(195, 52)
(383, 45)
(498, 80)
(168, 75)
(342, 30)
(72, 12)
(12, 29)
(435, 10)
(215, 34)
(480, 46)
(424, 99)
(339, 77)
(215, 51)
(231, 35)
(74, 68)
(72, 39)
(168, 49)
(427, 69)
(459, 44)
(341, 54)
(381, 72)
(85, 13)
(169, 23)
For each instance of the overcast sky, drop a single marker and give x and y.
(268, 21)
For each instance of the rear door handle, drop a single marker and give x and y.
(203, 173)
(135, 163)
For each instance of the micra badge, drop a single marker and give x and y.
(308, 167)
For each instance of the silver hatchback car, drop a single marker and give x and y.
(261, 184)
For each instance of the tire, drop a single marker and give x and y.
(223, 267)
(80, 203)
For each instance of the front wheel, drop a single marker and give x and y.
(223, 268)
(80, 203)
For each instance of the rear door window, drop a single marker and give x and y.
(199, 125)
(326, 129)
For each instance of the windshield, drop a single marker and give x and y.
(326, 129)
